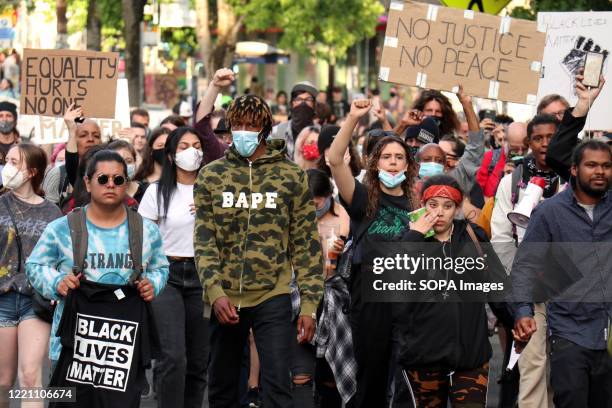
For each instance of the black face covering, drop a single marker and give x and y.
(158, 156)
(301, 117)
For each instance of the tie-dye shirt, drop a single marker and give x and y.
(108, 260)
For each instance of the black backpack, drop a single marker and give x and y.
(77, 222)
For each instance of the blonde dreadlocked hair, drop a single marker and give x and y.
(251, 110)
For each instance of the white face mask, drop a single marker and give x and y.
(189, 159)
(131, 170)
(12, 178)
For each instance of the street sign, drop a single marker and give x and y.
(484, 6)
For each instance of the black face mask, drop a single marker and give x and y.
(158, 156)
(301, 116)
(392, 94)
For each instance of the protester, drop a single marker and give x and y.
(351, 157)
(172, 122)
(339, 105)
(395, 105)
(302, 115)
(280, 106)
(245, 265)
(554, 105)
(437, 106)
(58, 156)
(580, 370)
(140, 116)
(180, 373)
(491, 170)
(559, 153)
(139, 137)
(24, 214)
(379, 212)
(7, 90)
(453, 149)
(8, 126)
(151, 167)
(50, 265)
(306, 149)
(447, 358)
(222, 132)
(506, 237)
(134, 189)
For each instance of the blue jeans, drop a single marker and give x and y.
(15, 307)
(273, 331)
(180, 372)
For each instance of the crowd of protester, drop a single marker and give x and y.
(257, 218)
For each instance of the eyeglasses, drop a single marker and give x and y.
(310, 99)
(117, 180)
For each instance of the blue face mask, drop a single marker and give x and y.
(429, 169)
(390, 180)
(245, 142)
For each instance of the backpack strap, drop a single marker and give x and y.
(517, 177)
(474, 239)
(77, 222)
(135, 232)
(494, 159)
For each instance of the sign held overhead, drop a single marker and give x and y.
(438, 47)
(54, 79)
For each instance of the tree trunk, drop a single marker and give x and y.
(62, 24)
(204, 35)
(94, 26)
(132, 16)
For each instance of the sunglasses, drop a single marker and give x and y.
(117, 180)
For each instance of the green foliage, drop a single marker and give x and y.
(325, 28)
(182, 42)
(560, 5)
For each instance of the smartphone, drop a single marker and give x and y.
(593, 66)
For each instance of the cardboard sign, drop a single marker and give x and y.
(569, 36)
(46, 130)
(439, 48)
(484, 6)
(52, 80)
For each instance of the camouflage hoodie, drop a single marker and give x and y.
(255, 224)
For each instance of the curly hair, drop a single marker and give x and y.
(250, 109)
(372, 182)
(450, 122)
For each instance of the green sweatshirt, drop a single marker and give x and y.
(255, 224)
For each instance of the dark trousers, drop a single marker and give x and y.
(273, 332)
(303, 358)
(180, 373)
(579, 377)
(371, 325)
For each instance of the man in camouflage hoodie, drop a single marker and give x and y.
(255, 228)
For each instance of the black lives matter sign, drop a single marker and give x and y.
(103, 352)
(52, 80)
(439, 48)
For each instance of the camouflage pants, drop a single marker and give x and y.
(465, 389)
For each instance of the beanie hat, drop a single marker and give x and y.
(9, 107)
(326, 137)
(304, 86)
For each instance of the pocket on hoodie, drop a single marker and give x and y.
(263, 266)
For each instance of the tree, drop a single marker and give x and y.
(94, 26)
(61, 6)
(228, 24)
(133, 11)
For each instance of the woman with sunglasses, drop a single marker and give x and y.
(24, 214)
(445, 348)
(379, 210)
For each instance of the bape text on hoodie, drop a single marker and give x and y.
(255, 227)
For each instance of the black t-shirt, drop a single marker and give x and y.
(108, 337)
(388, 225)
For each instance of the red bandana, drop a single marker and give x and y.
(443, 191)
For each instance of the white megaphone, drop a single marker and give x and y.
(533, 193)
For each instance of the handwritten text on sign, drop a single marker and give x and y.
(52, 80)
(439, 48)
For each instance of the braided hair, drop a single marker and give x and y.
(251, 110)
